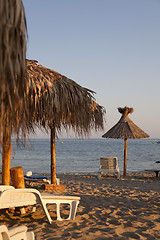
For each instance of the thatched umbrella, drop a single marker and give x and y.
(12, 68)
(55, 101)
(125, 128)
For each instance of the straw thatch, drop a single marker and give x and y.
(12, 58)
(125, 128)
(55, 100)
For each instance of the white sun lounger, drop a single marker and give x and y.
(11, 197)
(38, 178)
(15, 233)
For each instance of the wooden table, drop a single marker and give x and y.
(154, 170)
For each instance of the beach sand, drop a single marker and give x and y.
(108, 209)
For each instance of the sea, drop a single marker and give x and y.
(83, 155)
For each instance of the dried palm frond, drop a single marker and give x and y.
(12, 58)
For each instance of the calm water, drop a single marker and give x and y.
(75, 155)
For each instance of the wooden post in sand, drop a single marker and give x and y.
(53, 156)
(125, 157)
(53, 185)
(6, 155)
(17, 177)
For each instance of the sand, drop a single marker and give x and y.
(108, 209)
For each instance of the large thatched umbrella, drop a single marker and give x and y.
(12, 68)
(125, 128)
(55, 101)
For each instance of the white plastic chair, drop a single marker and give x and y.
(109, 165)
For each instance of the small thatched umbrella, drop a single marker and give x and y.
(125, 128)
(12, 69)
(60, 102)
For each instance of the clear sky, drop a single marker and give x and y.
(109, 46)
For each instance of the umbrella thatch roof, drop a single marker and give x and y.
(54, 99)
(125, 128)
(12, 60)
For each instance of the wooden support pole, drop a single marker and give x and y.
(53, 156)
(125, 158)
(6, 156)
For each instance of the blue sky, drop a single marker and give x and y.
(109, 46)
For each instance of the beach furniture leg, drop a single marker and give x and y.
(43, 204)
(34, 209)
(22, 210)
(99, 175)
(72, 213)
(73, 209)
(156, 173)
(57, 181)
(118, 175)
(58, 212)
